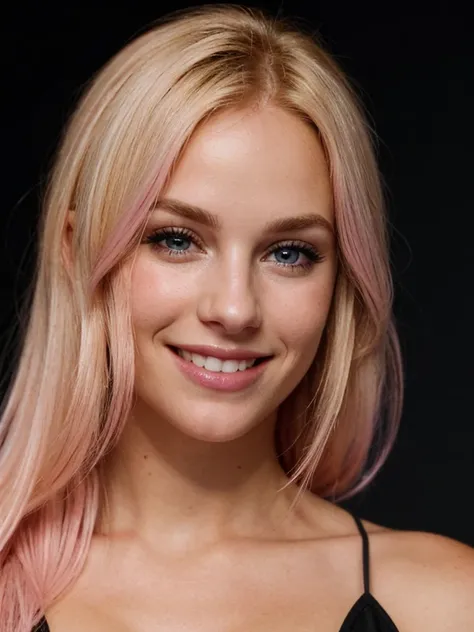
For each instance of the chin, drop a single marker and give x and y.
(212, 422)
(217, 428)
(215, 434)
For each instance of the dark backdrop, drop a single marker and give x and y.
(413, 70)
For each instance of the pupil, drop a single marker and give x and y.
(176, 243)
(288, 255)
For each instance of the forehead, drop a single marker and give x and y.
(254, 164)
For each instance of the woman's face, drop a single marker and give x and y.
(239, 257)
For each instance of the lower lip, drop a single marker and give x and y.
(219, 381)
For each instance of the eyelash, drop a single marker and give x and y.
(308, 251)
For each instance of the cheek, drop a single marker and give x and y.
(302, 316)
(158, 295)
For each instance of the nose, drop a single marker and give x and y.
(228, 298)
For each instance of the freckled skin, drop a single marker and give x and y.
(247, 168)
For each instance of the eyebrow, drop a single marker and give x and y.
(282, 225)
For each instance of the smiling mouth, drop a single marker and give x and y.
(218, 365)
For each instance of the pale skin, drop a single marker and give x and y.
(198, 537)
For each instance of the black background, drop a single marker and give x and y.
(414, 70)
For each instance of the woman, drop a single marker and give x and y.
(209, 356)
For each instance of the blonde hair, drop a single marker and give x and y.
(73, 388)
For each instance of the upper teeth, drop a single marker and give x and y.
(215, 364)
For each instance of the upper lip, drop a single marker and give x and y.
(223, 354)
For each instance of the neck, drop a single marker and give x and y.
(193, 492)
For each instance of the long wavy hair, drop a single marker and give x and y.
(73, 388)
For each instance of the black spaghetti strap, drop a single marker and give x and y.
(365, 552)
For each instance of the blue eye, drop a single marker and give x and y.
(296, 255)
(289, 255)
(175, 241)
(293, 256)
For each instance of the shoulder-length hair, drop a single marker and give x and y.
(73, 387)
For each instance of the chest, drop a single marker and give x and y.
(243, 617)
(245, 593)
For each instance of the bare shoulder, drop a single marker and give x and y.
(427, 579)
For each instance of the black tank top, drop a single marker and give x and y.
(366, 615)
